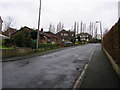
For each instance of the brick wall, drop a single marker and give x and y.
(111, 42)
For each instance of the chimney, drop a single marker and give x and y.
(41, 29)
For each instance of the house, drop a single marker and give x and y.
(2, 36)
(44, 37)
(86, 37)
(49, 37)
(54, 38)
(1, 25)
(22, 30)
(9, 32)
(66, 35)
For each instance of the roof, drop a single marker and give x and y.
(52, 35)
(1, 19)
(45, 34)
(23, 28)
(3, 36)
(66, 31)
(84, 34)
(11, 29)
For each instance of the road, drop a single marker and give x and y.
(55, 70)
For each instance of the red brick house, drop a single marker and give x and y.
(66, 35)
(22, 30)
(44, 37)
(54, 38)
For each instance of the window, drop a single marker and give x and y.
(61, 34)
(65, 34)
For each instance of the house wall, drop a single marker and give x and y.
(85, 36)
(1, 25)
(66, 35)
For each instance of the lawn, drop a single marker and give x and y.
(4, 47)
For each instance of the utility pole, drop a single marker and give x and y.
(38, 26)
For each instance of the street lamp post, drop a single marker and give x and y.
(100, 28)
(38, 26)
(101, 32)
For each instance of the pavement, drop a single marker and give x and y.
(100, 73)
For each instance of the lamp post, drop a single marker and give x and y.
(101, 32)
(100, 28)
(38, 26)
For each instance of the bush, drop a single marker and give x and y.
(33, 34)
(49, 45)
(19, 40)
(23, 39)
(7, 42)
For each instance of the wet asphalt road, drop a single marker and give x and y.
(54, 70)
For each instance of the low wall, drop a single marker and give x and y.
(115, 66)
(15, 52)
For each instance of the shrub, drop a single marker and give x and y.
(7, 42)
(49, 45)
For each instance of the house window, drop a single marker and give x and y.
(61, 34)
(72, 35)
(76, 39)
(65, 34)
(87, 39)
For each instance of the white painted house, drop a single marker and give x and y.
(2, 36)
(1, 25)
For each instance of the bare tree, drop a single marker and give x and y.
(52, 28)
(77, 27)
(60, 26)
(92, 28)
(81, 27)
(8, 22)
(75, 24)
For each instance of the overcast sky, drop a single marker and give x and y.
(25, 12)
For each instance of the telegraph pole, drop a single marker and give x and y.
(38, 26)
